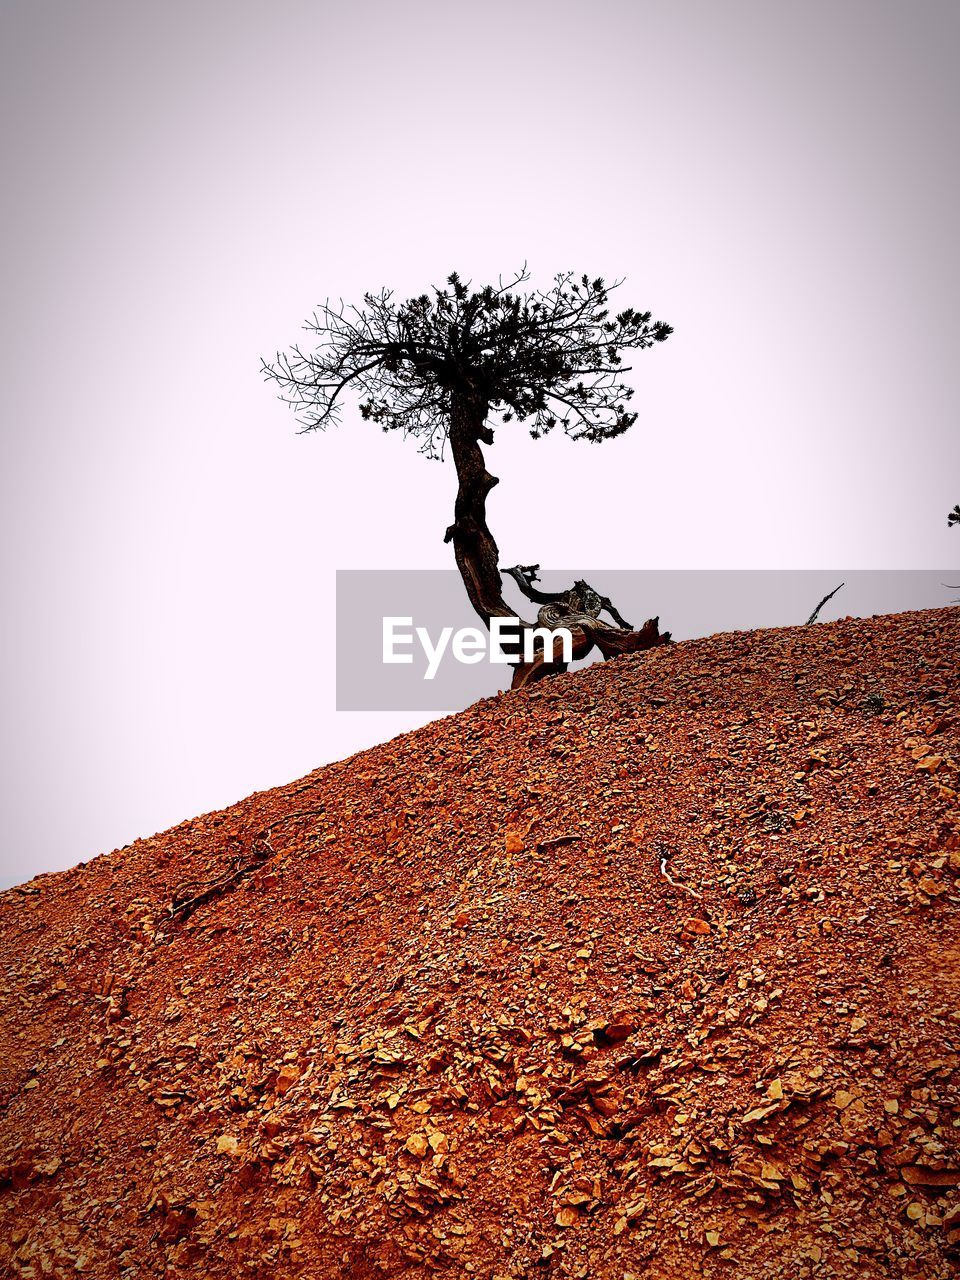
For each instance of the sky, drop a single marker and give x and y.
(184, 183)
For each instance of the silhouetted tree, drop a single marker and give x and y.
(954, 516)
(437, 366)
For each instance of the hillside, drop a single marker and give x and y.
(653, 971)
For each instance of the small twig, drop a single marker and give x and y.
(554, 841)
(813, 617)
(676, 883)
(182, 909)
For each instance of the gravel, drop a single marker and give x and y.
(650, 971)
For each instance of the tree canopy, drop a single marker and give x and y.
(548, 359)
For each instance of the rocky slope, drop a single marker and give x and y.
(653, 971)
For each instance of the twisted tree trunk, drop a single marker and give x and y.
(474, 547)
(576, 610)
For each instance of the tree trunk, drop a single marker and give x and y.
(478, 560)
(476, 552)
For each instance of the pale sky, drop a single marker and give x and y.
(184, 181)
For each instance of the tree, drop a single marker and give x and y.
(437, 366)
(953, 517)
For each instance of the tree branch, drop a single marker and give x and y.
(813, 617)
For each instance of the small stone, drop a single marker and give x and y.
(693, 924)
(417, 1145)
(513, 842)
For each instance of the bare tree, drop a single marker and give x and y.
(436, 367)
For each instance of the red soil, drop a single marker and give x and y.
(653, 971)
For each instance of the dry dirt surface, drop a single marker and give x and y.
(652, 971)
